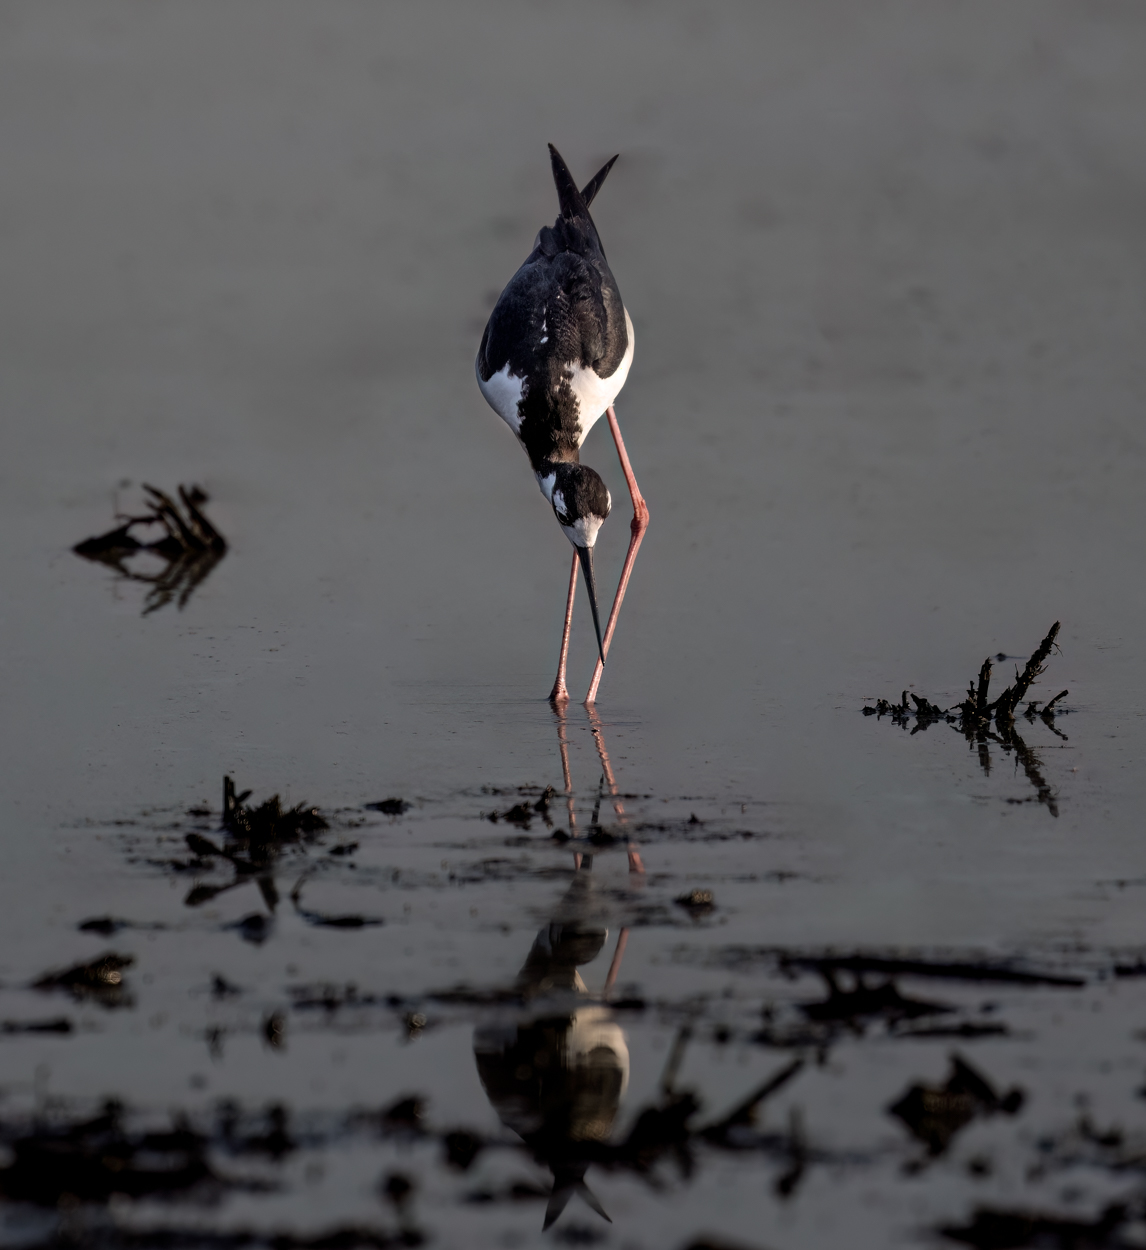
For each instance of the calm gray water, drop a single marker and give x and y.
(886, 269)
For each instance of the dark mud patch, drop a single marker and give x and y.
(986, 972)
(995, 1229)
(934, 1114)
(82, 1166)
(100, 981)
(65, 1162)
(60, 1026)
(108, 926)
(390, 807)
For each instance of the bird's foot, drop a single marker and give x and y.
(559, 695)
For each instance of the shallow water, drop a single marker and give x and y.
(885, 270)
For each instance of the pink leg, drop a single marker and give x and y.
(563, 744)
(598, 731)
(560, 692)
(618, 955)
(639, 524)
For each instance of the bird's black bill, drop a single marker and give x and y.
(585, 554)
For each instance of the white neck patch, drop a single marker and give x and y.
(583, 533)
(547, 484)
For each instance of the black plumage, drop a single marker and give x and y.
(554, 356)
(561, 308)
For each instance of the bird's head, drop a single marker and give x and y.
(580, 502)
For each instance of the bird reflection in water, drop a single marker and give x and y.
(556, 1074)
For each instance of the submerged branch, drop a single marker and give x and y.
(974, 716)
(190, 545)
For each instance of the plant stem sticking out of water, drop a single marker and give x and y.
(190, 545)
(974, 715)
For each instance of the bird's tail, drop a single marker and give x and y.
(572, 201)
(563, 1189)
(590, 189)
(575, 203)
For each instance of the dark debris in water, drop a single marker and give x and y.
(256, 839)
(716, 1243)
(965, 1029)
(254, 928)
(99, 981)
(325, 921)
(390, 807)
(984, 971)
(269, 823)
(973, 718)
(935, 1113)
(522, 813)
(864, 990)
(193, 1152)
(697, 903)
(188, 543)
(407, 1113)
(274, 1030)
(863, 999)
(87, 1161)
(340, 1237)
(672, 1134)
(78, 1165)
(994, 1229)
(461, 1148)
(108, 926)
(105, 925)
(61, 1026)
(222, 988)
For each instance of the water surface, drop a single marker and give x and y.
(885, 271)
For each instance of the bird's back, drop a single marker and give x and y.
(558, 344)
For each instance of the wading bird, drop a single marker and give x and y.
(553, 358)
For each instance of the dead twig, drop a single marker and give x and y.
(190, 545)
(1004, 706)
(973, 717)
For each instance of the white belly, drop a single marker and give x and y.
(503, 394)
(595, 394)
(504, 390)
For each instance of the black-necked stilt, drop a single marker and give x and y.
(557, 1072)
(553, 358)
